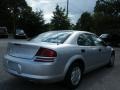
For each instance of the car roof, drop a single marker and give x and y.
(74, 31)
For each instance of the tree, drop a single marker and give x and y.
(12, 8)
(32, 22)
(108, 7)
(98, 22)
(60, 20)
(17, 14)
(85, 22)
(5, 16)
(107, 15)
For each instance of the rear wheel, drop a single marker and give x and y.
(73, 76)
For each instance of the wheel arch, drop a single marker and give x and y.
(75, 59)
(113, 52)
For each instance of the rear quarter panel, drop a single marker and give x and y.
(67, 54)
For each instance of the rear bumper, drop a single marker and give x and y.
(3, 36)
(43, 79)
(20, 37)
(43, 72)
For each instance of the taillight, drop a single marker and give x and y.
(44, 52)
(45, 55)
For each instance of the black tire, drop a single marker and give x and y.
(70, 74)
(111, 61)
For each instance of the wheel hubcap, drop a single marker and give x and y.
(76, 76)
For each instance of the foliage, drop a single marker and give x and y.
(11, 10)
(85, 22)
(32, 22)
(60, 20)
(105, 19)
(107, 16)
(17, 14)
(108, 7)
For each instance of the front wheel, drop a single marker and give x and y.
(111, 61)
(73, 76)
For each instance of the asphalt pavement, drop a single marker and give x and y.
(103, 78)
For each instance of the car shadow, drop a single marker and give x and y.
(98, 76)
(20, 84)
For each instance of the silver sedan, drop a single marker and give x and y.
(58, 56)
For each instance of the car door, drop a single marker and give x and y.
(104, 51)
(88, 50)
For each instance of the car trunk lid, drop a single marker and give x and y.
(21, 50)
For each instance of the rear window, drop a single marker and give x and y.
(52, 37)
(20, 31)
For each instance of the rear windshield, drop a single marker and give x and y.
(19, 31)
(52, 37)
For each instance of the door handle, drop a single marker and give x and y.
(82, 50)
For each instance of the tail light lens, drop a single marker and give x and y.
(45, 55)
(44, 52)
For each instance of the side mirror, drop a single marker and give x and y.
(103, 42)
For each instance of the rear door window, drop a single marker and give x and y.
(85, 40)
